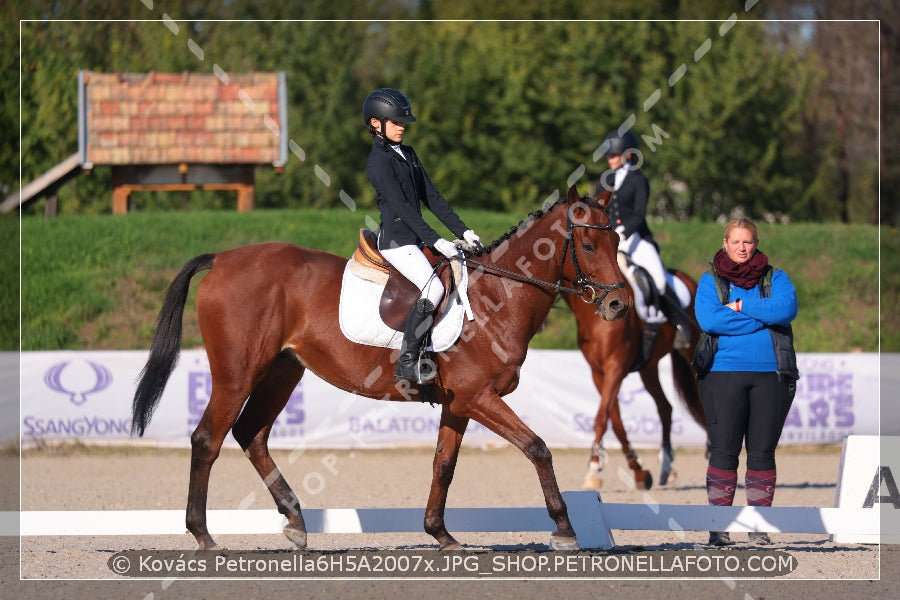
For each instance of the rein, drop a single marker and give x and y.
(587, 293)
(499, 271)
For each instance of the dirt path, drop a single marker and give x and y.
(117, 479)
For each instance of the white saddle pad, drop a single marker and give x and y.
(640, 304)
(361, 290)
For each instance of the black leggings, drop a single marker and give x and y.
(741, 405)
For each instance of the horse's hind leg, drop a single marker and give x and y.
(446, 453)
(206, 442)
(252, 433)
(642, 478)
(650, 378)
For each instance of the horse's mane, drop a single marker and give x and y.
(528, 220)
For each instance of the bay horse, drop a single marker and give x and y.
(611, 348)
(268, 312)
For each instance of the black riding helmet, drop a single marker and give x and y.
(619, 143)
(384, 104)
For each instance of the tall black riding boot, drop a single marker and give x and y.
(648, 340)
(409, 368)
(671, 307)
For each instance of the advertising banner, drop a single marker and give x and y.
(87, 395)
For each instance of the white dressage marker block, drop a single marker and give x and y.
(594, 520)
(868, 479)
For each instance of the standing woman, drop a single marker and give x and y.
(401, 187)
(747, 393)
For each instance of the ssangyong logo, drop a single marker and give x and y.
(77, 382)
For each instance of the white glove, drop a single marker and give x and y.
(447, 248)
(623, 241)
(473, 240)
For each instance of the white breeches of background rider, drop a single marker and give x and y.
(644, 254)
(411, 262)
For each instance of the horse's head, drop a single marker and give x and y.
(589, 257)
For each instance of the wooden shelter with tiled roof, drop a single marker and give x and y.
(182, 131)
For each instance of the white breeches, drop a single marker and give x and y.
(411, 262)
(644, 254)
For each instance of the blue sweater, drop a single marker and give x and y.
(745, 343)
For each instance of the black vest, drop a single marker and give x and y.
(782, 335)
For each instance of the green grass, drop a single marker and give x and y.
(96, 282)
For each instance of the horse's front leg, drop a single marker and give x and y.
(598, 457)
(491, 411)
(446, 453)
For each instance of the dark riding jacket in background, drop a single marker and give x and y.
(628, 205)
(401, 186)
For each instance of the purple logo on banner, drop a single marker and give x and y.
(77, 380)
(199, 390)
(99, 379)
(290, 422)
(823, 406)
(287, 424)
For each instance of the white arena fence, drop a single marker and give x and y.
(868, 511)
(86, 396)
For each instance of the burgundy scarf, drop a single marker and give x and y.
(745, 275)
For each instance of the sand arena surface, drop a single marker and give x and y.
(147, 479)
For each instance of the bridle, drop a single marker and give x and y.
(586, 288)
(587, 285)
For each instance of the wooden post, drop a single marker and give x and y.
(51, 207)
(245, 197)
(120, 199)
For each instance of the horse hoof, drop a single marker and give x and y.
(592, 483)
(643, 480)
(297, 537)
(561, 543)
(453, 546)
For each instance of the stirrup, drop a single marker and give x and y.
(422, 371)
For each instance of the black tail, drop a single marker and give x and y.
(166, 345)
(686, 384)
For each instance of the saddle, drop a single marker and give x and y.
(376, 300)
(399, 292)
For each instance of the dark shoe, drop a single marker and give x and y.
(410, 367)
(759, 538)
(719, 538)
